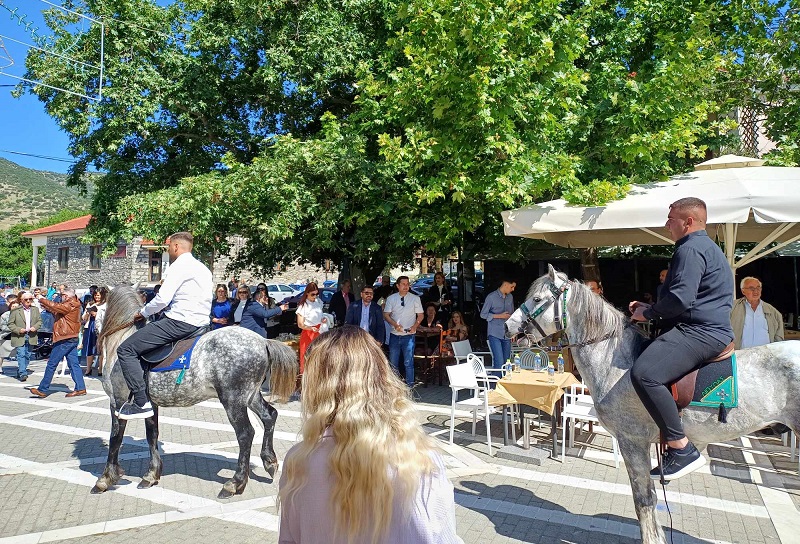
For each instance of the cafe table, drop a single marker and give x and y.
(533, 389)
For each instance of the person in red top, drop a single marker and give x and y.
(66, 327)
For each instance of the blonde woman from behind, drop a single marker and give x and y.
(364, 472)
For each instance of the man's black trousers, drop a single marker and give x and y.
(151, 336)
(669, 357)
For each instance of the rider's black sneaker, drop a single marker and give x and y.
(130, 410)
(679, 462)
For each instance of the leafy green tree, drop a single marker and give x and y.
(16, 251)
(360, 131)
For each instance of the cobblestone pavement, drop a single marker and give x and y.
(52, 450)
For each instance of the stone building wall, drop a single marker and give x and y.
(132, 264)
(78, 273)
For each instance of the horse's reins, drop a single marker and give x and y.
(558, 294)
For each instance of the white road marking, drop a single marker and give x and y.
(780, 507)
(560, 517)
(625, 489)
(185, 506)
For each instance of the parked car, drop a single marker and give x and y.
(419, 287)
(278, 291)
(378, 281)
(325, 294)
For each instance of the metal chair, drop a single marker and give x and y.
(579, 406)
(462, 376)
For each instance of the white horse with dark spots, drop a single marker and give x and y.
(769, 381)
(230, 364)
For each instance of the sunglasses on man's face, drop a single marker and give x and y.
(27, 299)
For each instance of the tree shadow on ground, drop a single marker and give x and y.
(532, 519)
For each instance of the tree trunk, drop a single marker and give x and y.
(590, 265)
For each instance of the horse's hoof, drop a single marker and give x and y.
(97, 490)
(231, 488)
(271, 468)
(147, 484)
(224, 494)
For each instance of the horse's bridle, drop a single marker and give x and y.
(557, 293)
(560, 313)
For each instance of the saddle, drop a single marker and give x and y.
(684, 390)
(161, 356)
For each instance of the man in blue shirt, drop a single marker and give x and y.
(498, 307)
(693, 313)
(367, 315)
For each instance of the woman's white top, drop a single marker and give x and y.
(98, 319)
(308, 519)
(311, 312)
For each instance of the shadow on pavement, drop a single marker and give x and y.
(560, 523)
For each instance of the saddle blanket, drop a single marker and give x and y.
(717, 384)
(182, 361)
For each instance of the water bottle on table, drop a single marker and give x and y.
(560, 364)
(551, 374)
(516, 366)
(537, 362)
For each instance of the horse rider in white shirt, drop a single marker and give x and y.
(185, 296)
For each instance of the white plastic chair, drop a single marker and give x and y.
(463, 377)
(792, 439)
(462, 349)
(487, 376)
(579, 406)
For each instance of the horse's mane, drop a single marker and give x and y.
(598, 318)
(121, 305)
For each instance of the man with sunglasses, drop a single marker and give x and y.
(24, 322)
(403, 312)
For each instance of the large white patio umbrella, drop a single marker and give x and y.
(747, 202)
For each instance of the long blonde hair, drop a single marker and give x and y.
(380, 452)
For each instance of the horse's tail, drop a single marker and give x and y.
(283, 367)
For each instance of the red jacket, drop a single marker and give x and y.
(68, 318)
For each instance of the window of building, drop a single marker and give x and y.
(122, 252)
(154, 269)
(63, 258)
(94, 257)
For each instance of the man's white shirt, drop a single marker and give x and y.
(186, 292)
(403, 310)
(756, 329)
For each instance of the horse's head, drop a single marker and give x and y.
(542, 312)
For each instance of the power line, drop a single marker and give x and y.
(37, 156)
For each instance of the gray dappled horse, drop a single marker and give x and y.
(230, 363)
(769, 381)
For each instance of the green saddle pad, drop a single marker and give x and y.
(717, 384)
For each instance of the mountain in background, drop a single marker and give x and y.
(32, 195)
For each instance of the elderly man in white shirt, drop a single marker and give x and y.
(754, 322)
(186, 294)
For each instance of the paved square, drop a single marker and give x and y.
(52, 450)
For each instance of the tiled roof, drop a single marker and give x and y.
(79, 223)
